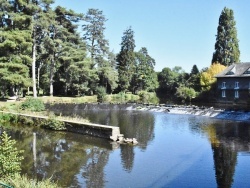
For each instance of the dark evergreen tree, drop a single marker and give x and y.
(108, 74)
(15, 46)
(194, 79)
(144, 77)
(226, 47)
(126, 59)
(61, 40)
(94, 35)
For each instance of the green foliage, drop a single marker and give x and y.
(26, 120)
(33, 104)
(226, 47)
(53, 124)
(101, 93)
(19, 181)
(126, 59)
(10, 159)
(15, 47)
(148, 97)
(185, 93)
(144, 77)
(170, 80)
(4, 117)
(94, 28)
(194, 79)
(120, 97)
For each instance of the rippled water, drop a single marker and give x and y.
(173, 151)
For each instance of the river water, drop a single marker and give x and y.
(173, 151)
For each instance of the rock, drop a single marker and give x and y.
(114, 138)
(134, 141)
(120, 138)
(128, 140)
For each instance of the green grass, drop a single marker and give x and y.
(19, 181)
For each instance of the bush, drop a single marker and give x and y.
(120, 97)
(10, 159)
(148, 97)
(19, 181)
(101, 93)
(53, 124)
(4, 117)
(33, 104)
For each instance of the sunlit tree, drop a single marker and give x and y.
(226, 47)
(208, 76)
(126, 59)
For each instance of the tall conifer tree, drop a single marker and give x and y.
(15, 46)
(126, 59)
(226, 47)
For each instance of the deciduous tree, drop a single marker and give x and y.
(207, 77)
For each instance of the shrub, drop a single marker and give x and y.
(33, 104)
(148, 97)
(120, 97)
(4, 117)
(10, 159)
(101, 93)
(19, 181)
(53, 124)
(26, 120)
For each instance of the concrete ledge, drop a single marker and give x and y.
(97, 130)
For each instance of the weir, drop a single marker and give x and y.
(92, 129)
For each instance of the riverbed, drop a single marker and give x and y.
(174, 150)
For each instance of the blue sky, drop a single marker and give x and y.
(175, 32)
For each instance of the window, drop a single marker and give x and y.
(236, 85)
(223, 85)
(223, 93)
(231, 72)
(236, 94)
(247, 71)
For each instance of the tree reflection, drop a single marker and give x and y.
(225, 160)
(61, 155)
(224, 153)
(133, 124)
(127, 156)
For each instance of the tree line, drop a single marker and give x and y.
(56, 51)
(42, 48)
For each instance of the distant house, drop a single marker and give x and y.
(233, 84)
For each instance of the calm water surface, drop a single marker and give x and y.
(173, 151)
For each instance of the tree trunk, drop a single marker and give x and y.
(34, 66)
(51, 77)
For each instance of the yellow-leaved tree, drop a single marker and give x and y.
(208, 77)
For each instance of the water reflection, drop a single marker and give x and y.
(66, 157)
(171, 149)
(133, 124)
(227, 140)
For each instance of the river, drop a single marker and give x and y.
(173, 151)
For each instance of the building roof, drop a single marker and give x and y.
(235, 70)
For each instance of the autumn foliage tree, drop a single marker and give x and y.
(208, 76)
